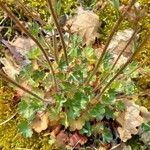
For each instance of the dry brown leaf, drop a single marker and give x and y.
(40, 122)
(129, 121)
(23, 44)
(76, 139)
(86, 25)
(61, 138)
(55, 130)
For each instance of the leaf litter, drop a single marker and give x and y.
(86, 25)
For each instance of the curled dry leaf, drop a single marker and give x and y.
(85, 24)
(40, 122)
(129, 120)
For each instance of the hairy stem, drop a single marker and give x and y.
(144, 42)
(59, 29)
(14, 18)
(6, 78)
(114, 29)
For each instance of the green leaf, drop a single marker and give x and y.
(38, 75)
(128, 87)
(62, 64)
(76, 41)
(28, 107)
(87, 129)
(88, 53)
(107, 136)
(34, 29)
(75, 50)
(109, 97)
(146, 127)
(25, 110)
(47, 82)
(115, 3)
(98, 111)
(25, 129)
(25, 72)
(107, 61)
(120, 106)
(34, 53)
(108, 113)
(60, 100)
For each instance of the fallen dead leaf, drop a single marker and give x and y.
(129, 120)
(55, 130)
(40, 122)
(85, 24)
(76, 139)
(61, 138)
(23, 44)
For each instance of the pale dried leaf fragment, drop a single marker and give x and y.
(23, 44)
(10, 68)
(119, 41)
(129, 120)
(40, 122)
(85, 24)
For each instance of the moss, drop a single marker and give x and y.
(10, 137)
